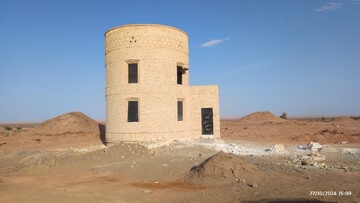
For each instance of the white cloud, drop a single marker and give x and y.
(330, 6)
(214, 42)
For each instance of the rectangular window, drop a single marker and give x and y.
(179, 75)
(133, 114)
(133, 72)
(180, 110)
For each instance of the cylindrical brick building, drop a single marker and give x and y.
(147, 84)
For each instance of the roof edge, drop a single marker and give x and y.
(154, 25)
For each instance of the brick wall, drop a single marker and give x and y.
(158, 50)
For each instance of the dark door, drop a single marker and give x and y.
(207, 123)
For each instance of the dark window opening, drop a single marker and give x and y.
(179, 75)
(133, 114)
(133, 72)
(180, 110)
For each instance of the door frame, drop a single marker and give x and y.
(205, 121)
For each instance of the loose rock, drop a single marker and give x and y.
(313, 159)
(278, 148)
(314, 146)
(254, 185)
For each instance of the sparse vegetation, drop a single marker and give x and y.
(8, 128)
(37, 140)
(283, 115)
(18, 128)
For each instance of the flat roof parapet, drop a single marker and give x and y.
(152, 25)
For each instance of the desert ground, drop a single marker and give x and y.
(259, 158)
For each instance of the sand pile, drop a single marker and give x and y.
(343, 118)
(69, 123)
(67, 130)
(262, 116)
(222, 168)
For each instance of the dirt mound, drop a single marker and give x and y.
(343, 118)
(262, 116)
(221, 167)
(67, 130)
(69, 123)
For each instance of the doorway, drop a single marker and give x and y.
(207, 124)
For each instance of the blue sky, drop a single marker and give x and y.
(300, 57)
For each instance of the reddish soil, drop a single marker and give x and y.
(64, 160)
(71, 129)
(222, 168)
(344, 129)
(70, 123)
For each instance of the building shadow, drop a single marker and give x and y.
(300, 200)
(102, 132)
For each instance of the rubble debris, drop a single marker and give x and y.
(314, 159)
(351, 151)
(278, 149)
(232, 148)
(303, 147)
(312, 146)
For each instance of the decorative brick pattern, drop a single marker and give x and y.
(158, 49)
